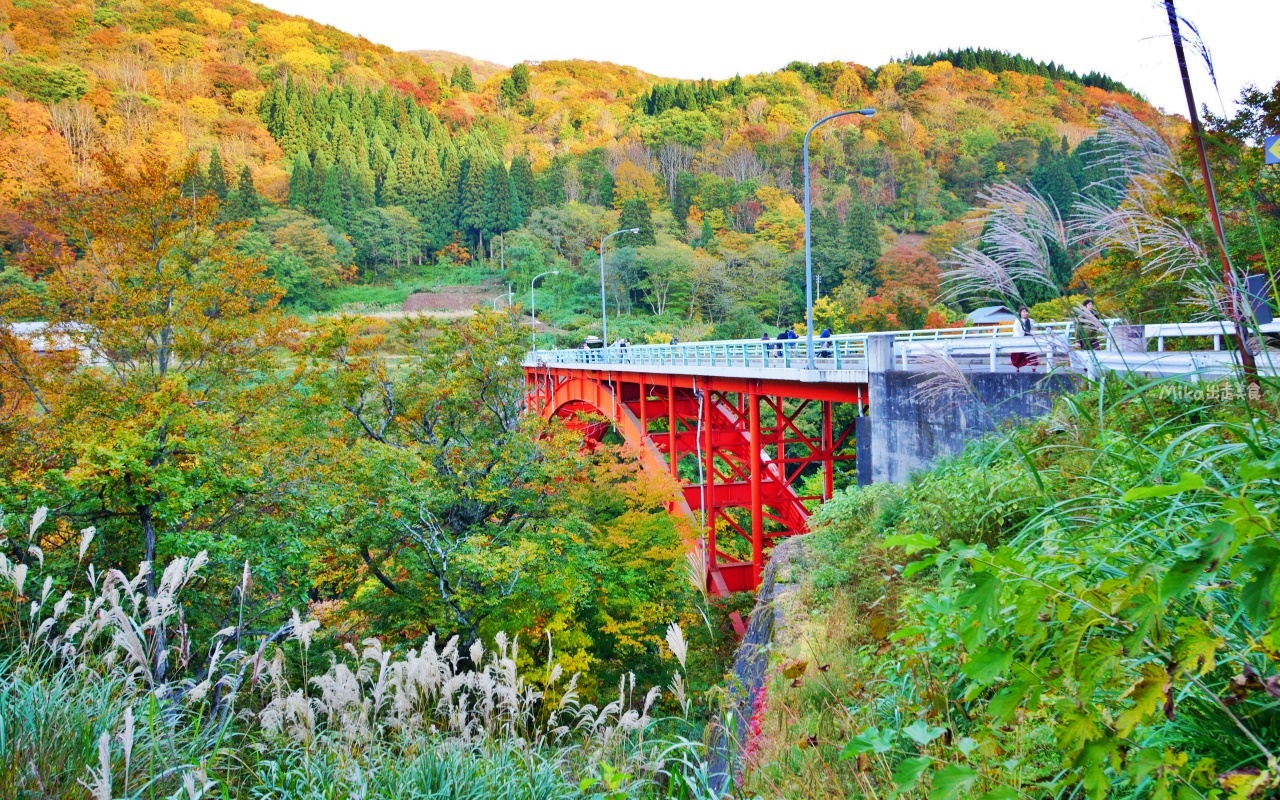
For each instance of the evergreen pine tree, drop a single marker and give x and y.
(862, 239)
(523, 189)
(329, 205)
(831, 251)
(389, 192)
(635, 214)
(217, 181)
(364, 189)
(400, 194)
(293, 133)
(606, 189)
(193, 183)
(707, 237)
(461, 78)
(245, 202)
(448, 211)
(497, 197)
(550, 184)
(473, 206)
(300, 183)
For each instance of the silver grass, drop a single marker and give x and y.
(946, 386)
(1130, 149)
(676, 642)
(37, 519)
(1021, 226)
(86, 538)
(970, 273)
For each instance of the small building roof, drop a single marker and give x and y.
(990, 315)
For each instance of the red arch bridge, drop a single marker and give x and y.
(742, 424)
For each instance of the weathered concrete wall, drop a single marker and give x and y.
(906, 433)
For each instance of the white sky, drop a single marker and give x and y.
(1127, 39)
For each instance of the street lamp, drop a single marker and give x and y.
(604, 309)
(808, 233)
(533, 313)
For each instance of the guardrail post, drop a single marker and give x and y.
(880, 352)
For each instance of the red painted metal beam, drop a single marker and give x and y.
(719, 419)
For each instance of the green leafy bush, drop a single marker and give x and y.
(44, 84)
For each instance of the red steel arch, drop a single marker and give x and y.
(743, 433)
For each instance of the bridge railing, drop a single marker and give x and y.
(839, 352)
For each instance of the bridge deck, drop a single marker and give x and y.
(843, 358)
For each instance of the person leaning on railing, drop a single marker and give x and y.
(1024, 326)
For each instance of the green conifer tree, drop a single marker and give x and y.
(330, 205)
(707, 237)
(606, 189)
(449, 207)
(461, 78)
(550, 184)
(497, 197)
(245, 202)
(300, 183)
(635, 214)
(217, 181)
(523, 189)
(862, 240)
(389, 192)
(473, 205)
(193, 183)
(400, 196)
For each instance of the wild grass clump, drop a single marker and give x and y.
(105, 696)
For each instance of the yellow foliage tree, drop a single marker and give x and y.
(782, 222)
(848, 90)
(634, 181)
(305, 61)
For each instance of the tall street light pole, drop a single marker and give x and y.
(604, 308)
(808, 229)
(533, 310)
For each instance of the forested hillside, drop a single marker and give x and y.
(253, 545)
(361, 166)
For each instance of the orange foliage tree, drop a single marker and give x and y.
(161, 426)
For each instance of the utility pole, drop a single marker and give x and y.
(1234, 311)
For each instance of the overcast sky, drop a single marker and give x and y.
(1127, 39)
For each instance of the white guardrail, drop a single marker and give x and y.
(985, 348)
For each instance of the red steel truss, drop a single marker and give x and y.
(734, 443)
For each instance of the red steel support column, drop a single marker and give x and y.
(828, 457)
(671, 429)
(757, 503)
(781, 430)
(709, 479)
(644, 412)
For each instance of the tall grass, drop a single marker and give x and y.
(1053, 614)
(96, 702)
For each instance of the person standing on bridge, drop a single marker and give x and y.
(1087, 324)
(788, 334)
(1024, 326)
(825, 352)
